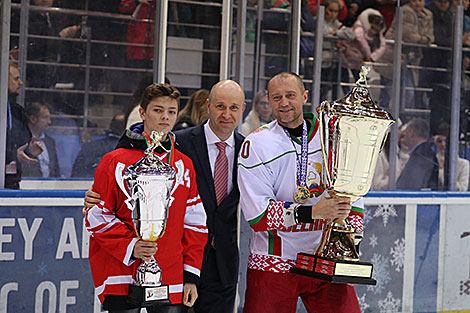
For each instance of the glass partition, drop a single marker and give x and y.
(82, 64)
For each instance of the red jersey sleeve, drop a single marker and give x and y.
(111, 233)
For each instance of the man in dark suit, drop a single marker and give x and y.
(20, 145)
(39, 119)
(219, 274)
(422, 169)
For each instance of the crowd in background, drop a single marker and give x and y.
(361, 28)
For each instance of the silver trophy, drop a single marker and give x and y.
(149, 182)
(353, 131)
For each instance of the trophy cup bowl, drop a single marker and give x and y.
(149, 182)
(353, 131)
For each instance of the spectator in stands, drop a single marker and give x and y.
(21, 147)
(331, 27)
(439, 81)
(417, 28)
(387, 9)
(132, 113)
(39, 119)
(140, 32)
(421, 170)
(45, 23)
(463, 166)
(381, 179)
(369, 42)
(261, 113)
(91, 152)
(342, 10)
(195, 111)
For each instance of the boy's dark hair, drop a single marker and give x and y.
(377, 20)
(158, 90)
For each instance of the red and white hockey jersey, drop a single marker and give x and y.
(112, 232)
(267, 181)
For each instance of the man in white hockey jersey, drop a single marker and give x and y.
(278, 164)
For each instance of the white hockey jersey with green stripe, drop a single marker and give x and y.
(267, 181)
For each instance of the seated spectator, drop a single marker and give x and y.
(463, 166)
(380, 181)
(421, 170)
(331, 27)
(369, 43)
(417, 28)
(342, 13)
(39, 119)
(195, 111)
(261, 113)
(21, 147)
(91, 152)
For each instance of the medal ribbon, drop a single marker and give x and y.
(301, 164)
(171, 159)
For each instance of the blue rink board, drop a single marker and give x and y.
(57, 283)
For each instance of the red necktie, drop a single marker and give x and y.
(221, 173)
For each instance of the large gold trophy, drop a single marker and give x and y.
(352, 132)
(149, 181)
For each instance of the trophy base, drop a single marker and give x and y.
(335, 271)
(149, 295)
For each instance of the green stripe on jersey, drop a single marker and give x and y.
(257, 219)
(270, 243)
(357, 209)
(274, 159)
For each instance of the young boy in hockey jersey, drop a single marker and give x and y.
(115, 249)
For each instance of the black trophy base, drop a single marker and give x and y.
(149, 296)
(335, 271)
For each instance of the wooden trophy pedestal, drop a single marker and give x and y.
(335, 271)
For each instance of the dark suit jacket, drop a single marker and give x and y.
(34, 170)
(421, 170)
(17, 136)
(221, 220)
(90, 155)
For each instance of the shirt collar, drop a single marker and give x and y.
(212, 138)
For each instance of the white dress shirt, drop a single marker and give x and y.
(213, 151)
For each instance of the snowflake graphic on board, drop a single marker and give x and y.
(362, 303)
(42, 269)
(465, 287)
(389, 304)
(373, 240)
(385, 210)
(367, 216)
(398, 254)
(381, 273)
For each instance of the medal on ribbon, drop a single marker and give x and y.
(301, 193)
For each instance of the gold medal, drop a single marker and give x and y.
(301, 194)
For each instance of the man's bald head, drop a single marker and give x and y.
(225, 106)
(227, 86)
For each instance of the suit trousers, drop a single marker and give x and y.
(279, 292)
(213, 296)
